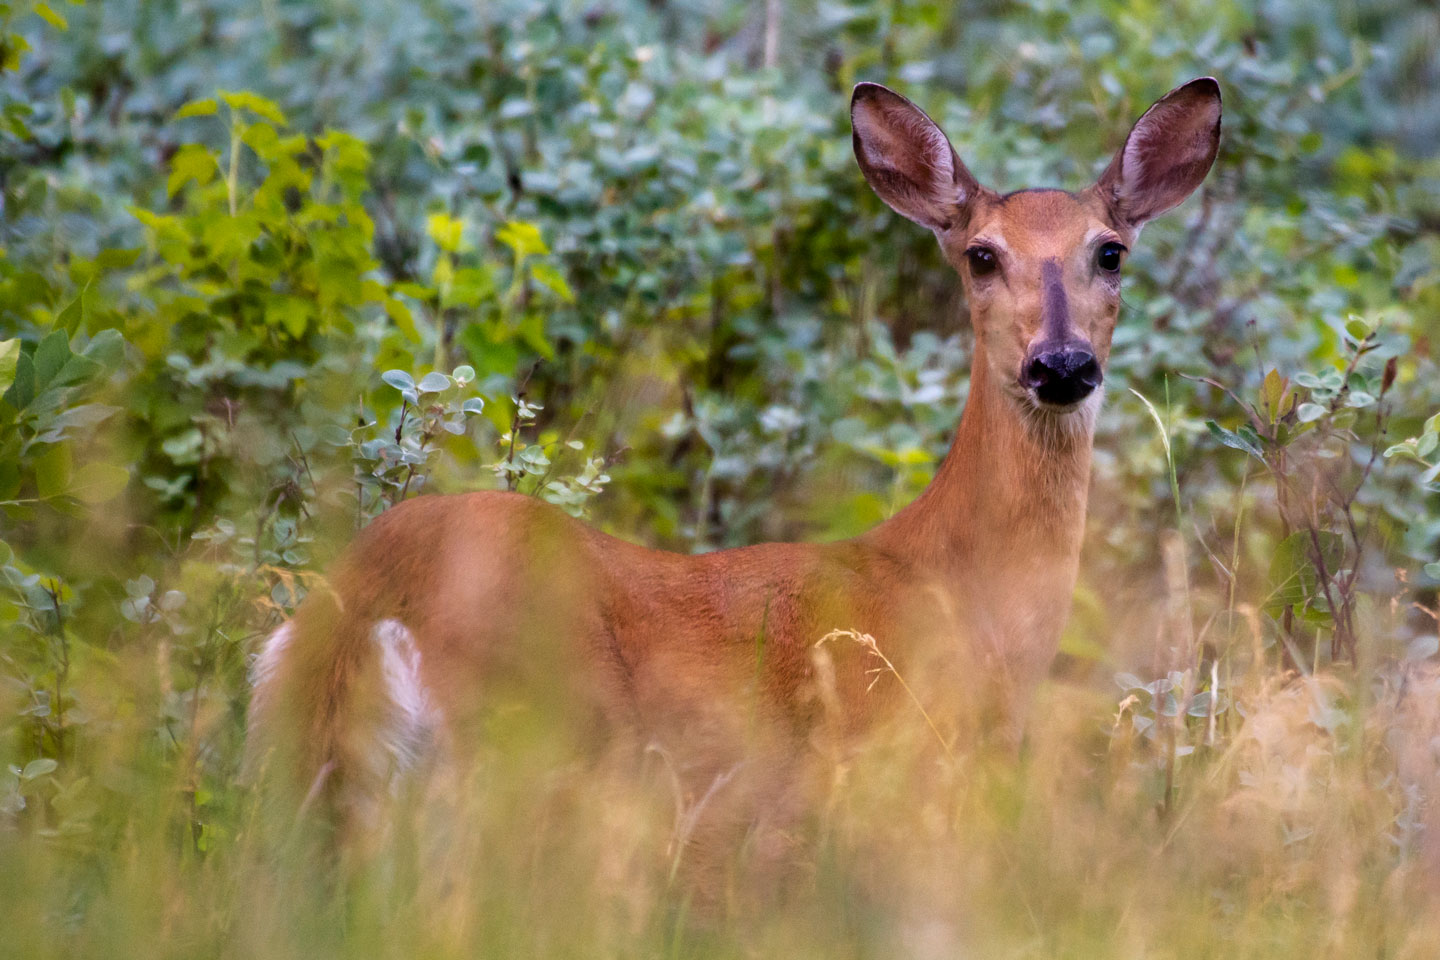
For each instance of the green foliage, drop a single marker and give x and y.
(41, 422)
(241, 245)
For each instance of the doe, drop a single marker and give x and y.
(444, 600)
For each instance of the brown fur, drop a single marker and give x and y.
(710, 657)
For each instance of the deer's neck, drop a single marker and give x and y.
(1008, 498)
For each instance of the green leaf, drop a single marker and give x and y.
(1238, 441)
(1358, 328)
(117, 257)
(38, 768)
(50, 16)
(85, 415)
(52, 471)
(397, 311)
(256, 104)
(1359, 398)
(416, 290)
(1405, 448)
(193, 161)
(198, 108)
(553, 279)
(106, 349)
(12, 48)
(1432, 570)
(445, 230)
(1273, 391)
(398, 379)
(463, 374)
(1309, 412)
(50, 358)
(469, 286)
(98, 482)
(534, 459)
(9, 353)
(433, 383)
(523, 238)
(293, 313)
(76, 314)
(1433, 424)
(1294, 575)
(22, 392)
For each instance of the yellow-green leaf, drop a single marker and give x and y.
(524, 238)
(552, 278)
(1273, 390)
(9, 354)
(198, 108)
(443, 273)
(50, 16)
(256, 104)
(52, 471)
(397, 311)
(98, 481)
(445, 230)
(292, 313)
(194, 161)
(149, 218)
(12, 49)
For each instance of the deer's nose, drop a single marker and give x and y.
(1062, 375)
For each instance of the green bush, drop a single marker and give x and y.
(267, 270)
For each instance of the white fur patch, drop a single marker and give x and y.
(267, 661)
(414, 721)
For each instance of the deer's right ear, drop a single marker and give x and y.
(907, 159)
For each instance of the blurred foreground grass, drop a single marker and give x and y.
(1300, 833)
(267, 269)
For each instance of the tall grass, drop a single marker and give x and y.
(1299, 830)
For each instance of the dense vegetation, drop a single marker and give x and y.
(267, 269)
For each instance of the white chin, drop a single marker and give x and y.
(1081, 410)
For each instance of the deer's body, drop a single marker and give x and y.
(445, 599)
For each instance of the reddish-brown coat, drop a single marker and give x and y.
(711, 656)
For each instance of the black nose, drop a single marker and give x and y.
(1062, 376)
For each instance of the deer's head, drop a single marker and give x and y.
(1041, 268)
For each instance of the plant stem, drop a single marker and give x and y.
(232, 177)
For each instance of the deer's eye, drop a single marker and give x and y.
(1108, 259)
(982, 261)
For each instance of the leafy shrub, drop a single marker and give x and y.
(268, 270)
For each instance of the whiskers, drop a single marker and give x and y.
(1060, 428)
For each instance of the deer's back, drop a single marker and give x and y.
(496, 597)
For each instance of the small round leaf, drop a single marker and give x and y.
(38, 768)
(433, 383)
(398, 379)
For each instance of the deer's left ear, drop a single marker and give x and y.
(1167, 153)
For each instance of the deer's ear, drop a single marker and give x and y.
(1167, 153)
(907, 159)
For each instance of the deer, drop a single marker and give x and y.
(443, 601)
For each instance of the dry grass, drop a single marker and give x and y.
(1303, 824)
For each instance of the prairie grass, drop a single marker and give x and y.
(1299, 823)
